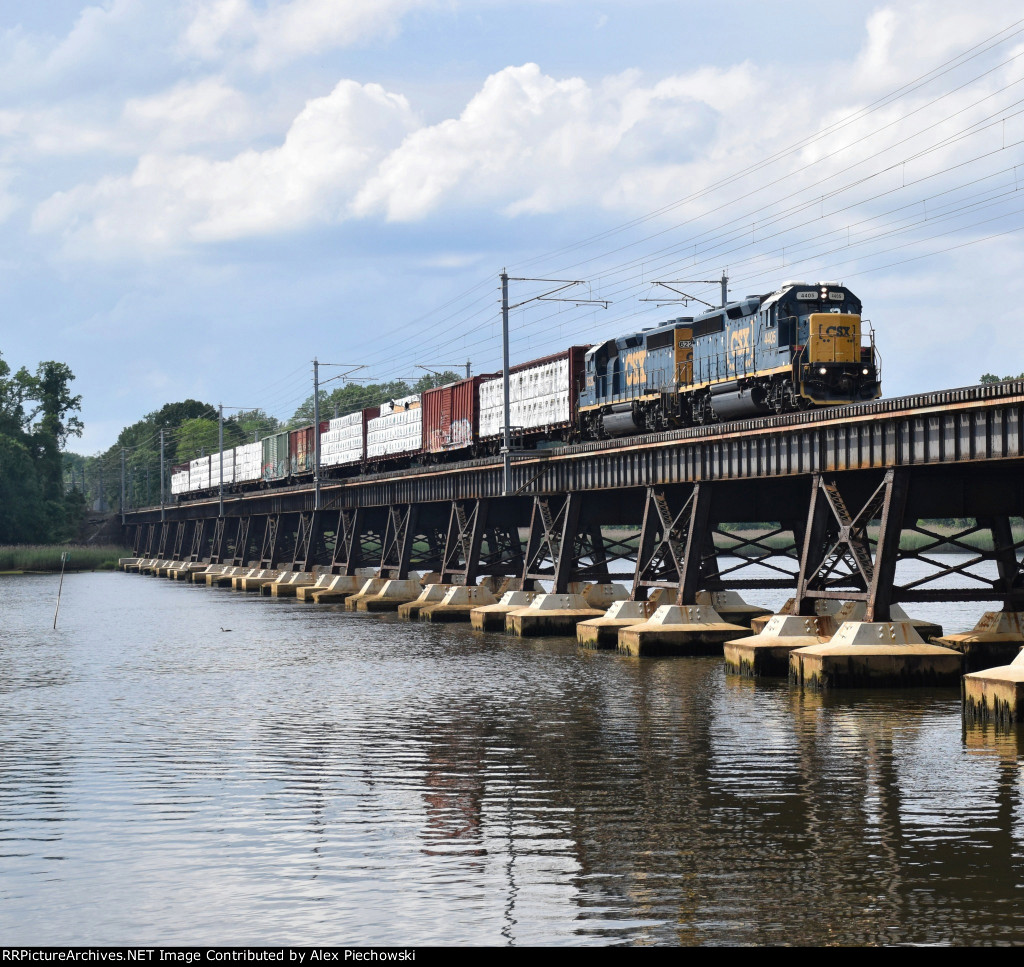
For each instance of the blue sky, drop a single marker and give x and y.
(197, 198)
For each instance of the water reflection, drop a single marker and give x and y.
(318, 776)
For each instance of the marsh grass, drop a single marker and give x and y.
(46, 557)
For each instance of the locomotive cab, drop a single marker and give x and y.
(830, 364)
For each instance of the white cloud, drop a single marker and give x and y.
(110, 44)
(168, 200)
(531, 144)
(285, 31)
(526, 143)
(190, 113)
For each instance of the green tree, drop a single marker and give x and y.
(350, 398)
(992, 378)
(195, 436)
(171, 415)
(38, 413)
(21, 506)
(15, 391)
(432, 380)
(252, 423)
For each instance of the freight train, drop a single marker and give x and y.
(799, 347)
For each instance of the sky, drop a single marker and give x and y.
(198, 198)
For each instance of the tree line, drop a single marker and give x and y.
(191, 428)
(45, 490)
(38, 413)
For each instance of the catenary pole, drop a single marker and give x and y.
(220, 444)
(162, 511)
(506, 442)
(316, 434)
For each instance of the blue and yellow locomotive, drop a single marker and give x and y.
(795, 348)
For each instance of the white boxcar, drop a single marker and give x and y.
(399, 428)
(542, 394)
(342, 443)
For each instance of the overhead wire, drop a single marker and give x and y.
(456, 322)
(973, 128)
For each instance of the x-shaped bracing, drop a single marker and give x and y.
(676, 546)
(837, 560)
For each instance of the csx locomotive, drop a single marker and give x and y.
(795, 348)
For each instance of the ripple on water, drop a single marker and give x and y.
(314, 776)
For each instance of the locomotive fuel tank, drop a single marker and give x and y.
(731, 401)
(621, 421)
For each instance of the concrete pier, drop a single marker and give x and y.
(731, 607)
(431, 594)
(603, 596)
(226, 577)
(854, 611)
(994, 641)
(288, 584)
(199, 577)
(550, 615)
(185, 571)
(458, 604)
(390, 597)
(879, 654)
(128, 563)
(407, 590)
(339, 589)
(679, 630)
(603, 632)
(491, 617)
(254, 580)
(498, 584)
(369, 588)
(995, 694)
(767, 654)
(304, 591)
(823, 607)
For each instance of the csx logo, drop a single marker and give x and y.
(837, 331)
(634, 366)
(739, 341)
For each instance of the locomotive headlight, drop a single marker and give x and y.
(865, 371)
(822, 370)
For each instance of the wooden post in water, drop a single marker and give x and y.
(60, 587)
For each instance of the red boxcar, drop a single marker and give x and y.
(301, 452)
(370, 413)
(451, 415)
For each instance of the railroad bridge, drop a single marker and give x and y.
(819, 502)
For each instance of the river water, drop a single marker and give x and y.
(183, 765)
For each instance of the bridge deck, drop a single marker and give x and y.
(971, 425)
